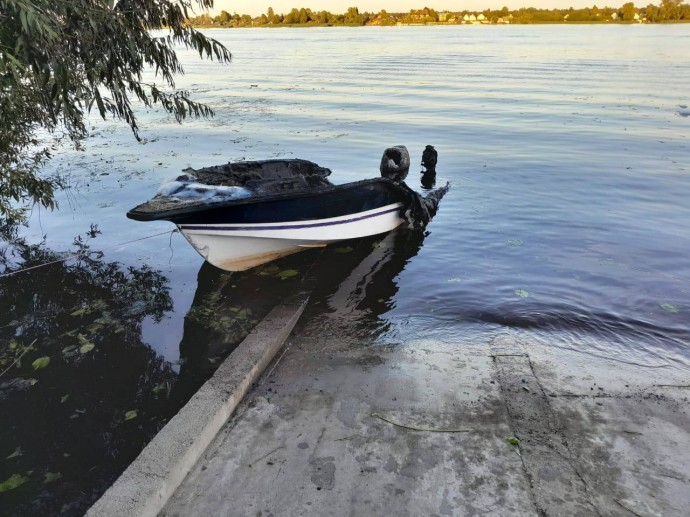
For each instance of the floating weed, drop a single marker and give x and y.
(515, 242)
(163, 387)
(98, 325)
(51, 477)
(287, 273)
(86, 345)
(64, 398)
(69, 351)
(243, 314)
(522, 293)
(344, 249)
(41, 362)
(213, 360)
(513, 440)
(131, 414)
(98, 305)
(269, 270)
(454, 280)
(669, 307)
(14, 481)
(86, 348)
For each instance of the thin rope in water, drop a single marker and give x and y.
(77, 255)
(30, 347)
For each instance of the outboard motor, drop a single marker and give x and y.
(429, 159)
(395, 163)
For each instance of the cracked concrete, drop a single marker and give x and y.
(342, 426)
(149, 481)
(355, 429)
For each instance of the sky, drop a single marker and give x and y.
(257, 7)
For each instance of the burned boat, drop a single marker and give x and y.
(243, 214)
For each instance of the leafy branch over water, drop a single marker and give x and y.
(61, 59)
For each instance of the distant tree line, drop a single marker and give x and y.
(667, 11)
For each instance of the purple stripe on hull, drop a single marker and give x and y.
(286, 226)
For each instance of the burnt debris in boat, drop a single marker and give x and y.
(243, 214)
(230, 182)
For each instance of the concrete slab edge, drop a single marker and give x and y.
(147, 484)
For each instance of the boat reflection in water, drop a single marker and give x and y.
(351, 285)
(351, 295)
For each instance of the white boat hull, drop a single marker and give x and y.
(237, 247)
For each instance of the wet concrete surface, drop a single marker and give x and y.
(338, 426)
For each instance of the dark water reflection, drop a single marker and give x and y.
(350, 284)
(354, 284)
(80, 393)
(86, 393)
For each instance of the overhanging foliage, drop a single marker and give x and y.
(61, 58)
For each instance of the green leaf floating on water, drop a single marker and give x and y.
(86, 345)
(513, 440)
(130, 415)
(269, 270)
(160, 388)
(41, 362)
(344, 249)
(86, 348)
(51, 477)
(287, 273)
(243, 314)
(78, 312)
(669, 307)
(64, 398)
(522, 293)
(14, 481)
(69, 351)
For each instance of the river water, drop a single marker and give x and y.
(567, 224)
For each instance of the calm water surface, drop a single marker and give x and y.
(567, 223)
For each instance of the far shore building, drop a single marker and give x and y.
(475, 19)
